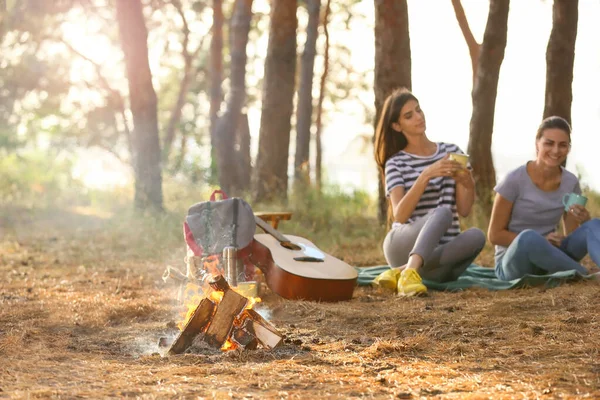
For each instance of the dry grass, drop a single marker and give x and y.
(81, 312)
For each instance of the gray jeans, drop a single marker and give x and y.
(442, 263)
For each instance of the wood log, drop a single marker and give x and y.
(219, 284)
(201, 318)
(222, 323)
(263, 330)
(243, 338)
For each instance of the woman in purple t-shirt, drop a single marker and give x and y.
(528, 208)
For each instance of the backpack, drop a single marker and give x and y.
(211, 226)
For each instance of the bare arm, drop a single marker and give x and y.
(465, 192)
(404, 203)
(576, 216)
(569, 223)
(498, 233)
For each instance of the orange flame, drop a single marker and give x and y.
(194, 295)
(216, 296)
(252, 301)
(229, 345)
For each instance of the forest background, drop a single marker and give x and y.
(66, 97)
(117, 115)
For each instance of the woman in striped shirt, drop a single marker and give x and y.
(427, 192)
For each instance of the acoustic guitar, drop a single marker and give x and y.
(296, 269)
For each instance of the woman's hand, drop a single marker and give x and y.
(579, 213)
(555, 238)
(442, 167)
(464, 178)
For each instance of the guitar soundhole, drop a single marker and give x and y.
(291, 246)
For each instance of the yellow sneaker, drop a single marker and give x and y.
(410, 283)
(388, 279)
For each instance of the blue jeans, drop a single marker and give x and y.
(531, 253)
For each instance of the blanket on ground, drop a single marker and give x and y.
(477, 276)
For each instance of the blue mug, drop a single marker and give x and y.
(570, 199)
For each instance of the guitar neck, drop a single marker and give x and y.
(270, 230)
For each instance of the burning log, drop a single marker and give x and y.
(244, 339)
(220, 284)
(226, 324)
(222, 323)
(261, 329)
(198, 322)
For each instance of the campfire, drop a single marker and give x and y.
(222, 315)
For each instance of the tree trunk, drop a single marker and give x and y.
(392, 63)
(277, 103)
(182, 152)
(176, 111)
(216, 78)
(560, 56)
(145, 142)
(188, 74)
(319, 149)
(484, 102)
(243, 158)
(228, 124)
(463, 23)
(3, 18)
(305, 99)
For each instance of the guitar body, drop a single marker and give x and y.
(306, 273)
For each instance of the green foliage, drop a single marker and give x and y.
(593, 204)
(41, 100)
(339, 223)
(179, 196)
(143, 236)
(198, 6)
(8, 140)
(32, 84)
(37, 179)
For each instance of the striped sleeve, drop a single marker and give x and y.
(393, 176)
(403, 169)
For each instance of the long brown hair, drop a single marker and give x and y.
(387, 140)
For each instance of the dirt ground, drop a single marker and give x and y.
(81, 316)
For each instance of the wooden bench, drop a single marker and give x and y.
(273, 218)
